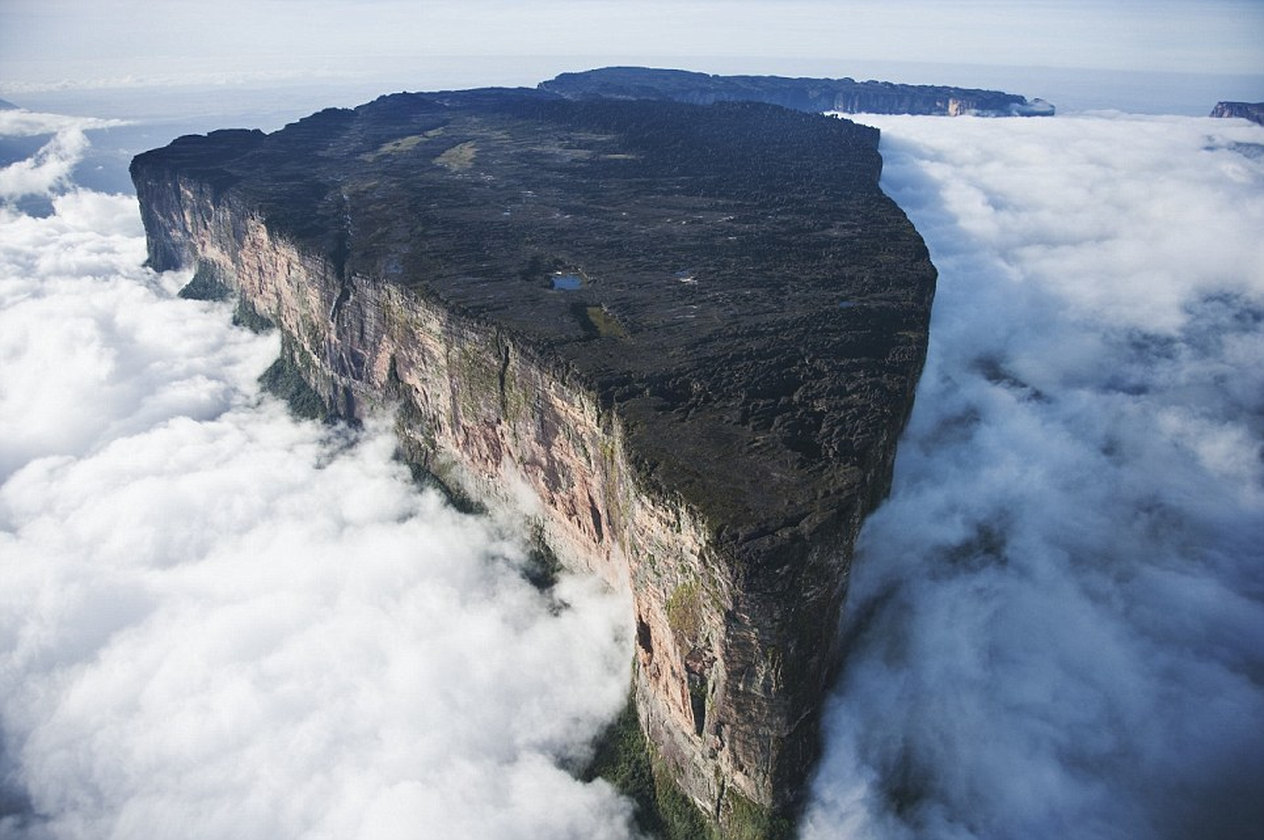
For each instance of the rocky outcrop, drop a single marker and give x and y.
(815, 95)
(1253, 111)
(680, 341)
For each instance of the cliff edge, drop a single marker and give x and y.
(846, 96)
(682, 341)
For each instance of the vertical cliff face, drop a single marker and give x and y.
(687, 374)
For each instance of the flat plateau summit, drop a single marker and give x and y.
(681, 341)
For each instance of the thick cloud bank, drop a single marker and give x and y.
(1057, 620)
(216, 622)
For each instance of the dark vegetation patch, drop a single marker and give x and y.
(206, 285)
(246, 315)
(625, 759)
(542, 567)
(285, 381)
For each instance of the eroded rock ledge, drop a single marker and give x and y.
(682, 339)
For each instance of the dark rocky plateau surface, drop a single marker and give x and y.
(1253, 111)
(680, 341)
(802, 94)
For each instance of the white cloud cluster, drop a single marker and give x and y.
(1056, 622)
(217, 622)
(85, 335)
(50, 168)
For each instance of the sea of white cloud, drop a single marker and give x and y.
(218, 622)
(1056, 622)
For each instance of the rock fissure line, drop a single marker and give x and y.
(712, 446)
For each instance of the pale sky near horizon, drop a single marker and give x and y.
(68, 42)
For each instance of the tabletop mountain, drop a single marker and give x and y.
(681, 341)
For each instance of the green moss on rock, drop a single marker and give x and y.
(245, 315)
(206, 284)
(745, 820)
(284, 381)
(685, 613)
(625, 759)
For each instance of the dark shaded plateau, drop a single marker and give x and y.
(745, 307)
(750, 281)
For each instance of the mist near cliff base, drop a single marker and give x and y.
(1056, 622)
(218, 622)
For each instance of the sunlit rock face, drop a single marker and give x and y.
(846, 96)
(680, 341)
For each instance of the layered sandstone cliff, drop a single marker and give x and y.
(681, 341)
(846, 96)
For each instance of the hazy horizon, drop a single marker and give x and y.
(1169, 56)
(60, 38)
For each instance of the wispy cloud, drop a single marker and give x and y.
(50, 168)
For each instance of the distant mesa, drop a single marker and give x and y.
(814, 95)
(1253, 111)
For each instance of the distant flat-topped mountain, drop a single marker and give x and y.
(841, 95)
(1253, 111)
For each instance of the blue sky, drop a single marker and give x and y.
(65, 41)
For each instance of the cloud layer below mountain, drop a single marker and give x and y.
(1057, 621)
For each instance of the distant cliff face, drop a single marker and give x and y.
(680, 341)
(1253, 111)
(814, 95)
